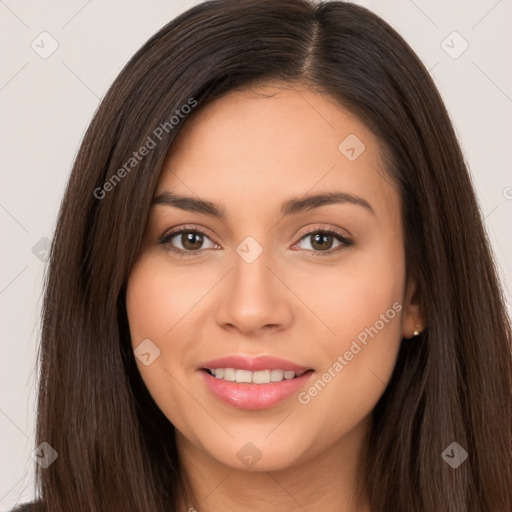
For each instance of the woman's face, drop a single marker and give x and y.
(317, 283)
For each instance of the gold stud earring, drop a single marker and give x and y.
(416, 331)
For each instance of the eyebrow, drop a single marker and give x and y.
(289, 207)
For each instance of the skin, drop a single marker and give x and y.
(250, 151)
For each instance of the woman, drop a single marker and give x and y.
(270, 287)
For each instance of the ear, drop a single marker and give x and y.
(413, 318)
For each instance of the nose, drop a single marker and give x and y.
(253, 299)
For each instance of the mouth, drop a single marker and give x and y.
(260, 377)
(260, 389)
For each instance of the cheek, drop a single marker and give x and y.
(353, 295)
(165, 303)
(359, 358)
(161, 301)
(159, 305)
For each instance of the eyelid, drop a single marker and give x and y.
(186, 227)
(166, 238)
(344, 238)
(344, 233)
(345, 241)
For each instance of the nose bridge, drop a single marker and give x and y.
(253, 297)
(250, 272)
(251, 259)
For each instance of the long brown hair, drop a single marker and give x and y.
(117, 450)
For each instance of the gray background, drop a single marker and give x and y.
(46, 105)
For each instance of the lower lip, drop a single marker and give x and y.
(254, 396)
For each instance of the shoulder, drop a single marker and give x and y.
(34, 506)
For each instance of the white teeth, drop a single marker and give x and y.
(276, 375)
(229, 374)
(243, 376)
(258, 377)
(261, 377)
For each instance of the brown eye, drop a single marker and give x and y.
(322, 241)
(191, 241)
(186, 241)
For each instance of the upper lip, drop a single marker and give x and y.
(253, 364)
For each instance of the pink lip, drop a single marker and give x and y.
(253, 364)
(253, 396)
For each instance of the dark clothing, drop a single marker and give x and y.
(35, 506)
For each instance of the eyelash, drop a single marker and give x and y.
(345, 242)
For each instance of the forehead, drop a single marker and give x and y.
(273, 142)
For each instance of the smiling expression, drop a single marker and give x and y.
(275, 232)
